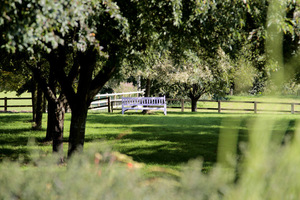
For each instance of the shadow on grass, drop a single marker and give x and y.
(152, 139)
(164, 140)
(12, 117)
(15, 132)
(159, 118)
(178, 148)
(14, 154)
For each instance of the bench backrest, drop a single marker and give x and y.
(146, 101)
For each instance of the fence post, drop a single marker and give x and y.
(108, 104)
(255, 107)
(99, 99)
(219, 106)
(292, 108)
(5, 104)
(182, 105)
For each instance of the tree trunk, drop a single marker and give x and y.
(195, 94)
(56, 117)
(39, 109)
(56, 110)
(52, 108)
(147, 93)
(87, 87)
(44, 103)
(77, 129)
(194, 104)
(50, 121)
(148, 87)
(55, 128)
(58, 127)
(33, 99)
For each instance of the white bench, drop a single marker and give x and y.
(139, 103)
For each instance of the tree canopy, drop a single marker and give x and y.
(89, 40)
(97, 34)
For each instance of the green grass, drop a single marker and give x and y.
(154, 139)
(165, 145)
(157, 139)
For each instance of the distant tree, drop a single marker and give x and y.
(16, 77)
(12, 75)
(204, 28)
(196, 76)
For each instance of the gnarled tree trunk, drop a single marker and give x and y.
(194, 104)
(88, 86)
(33, 100)
(77, 130)
(56, 110)
(58, 127)
(39, 108)
(55, 127)
(50, 121)
(195, 94)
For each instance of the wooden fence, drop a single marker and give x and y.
(219, 106)
(101, 101)
(6, 104)
(112, 102)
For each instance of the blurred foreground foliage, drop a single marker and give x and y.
(268, 169)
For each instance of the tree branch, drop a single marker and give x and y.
(74, 69)
(104, 75)
(57, 62)
(42, 81)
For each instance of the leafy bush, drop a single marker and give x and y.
(244, 76)
(290, 87)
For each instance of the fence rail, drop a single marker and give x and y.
(219, 106)
(110, 101)
(7, 99)
(254, 108)
(113, 102)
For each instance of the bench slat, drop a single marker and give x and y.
(133, 103)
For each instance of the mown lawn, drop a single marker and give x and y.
(154, 139)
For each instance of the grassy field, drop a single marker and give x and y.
(161, 149)
(154, 139)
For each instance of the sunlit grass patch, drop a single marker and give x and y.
(155, 139)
